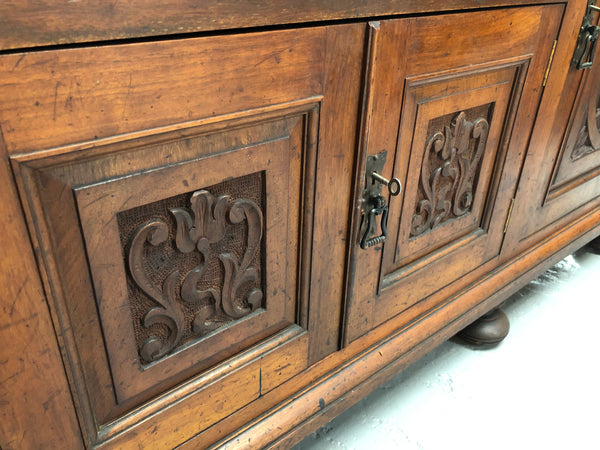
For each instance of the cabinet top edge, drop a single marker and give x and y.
(29, 23)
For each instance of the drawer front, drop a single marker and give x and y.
(171, 192)
(445, 105)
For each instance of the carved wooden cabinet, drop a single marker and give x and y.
(186, 209)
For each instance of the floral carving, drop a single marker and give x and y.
(588, 138)
(204, 226)
(168, 313)
(449, 171)
(233, 297)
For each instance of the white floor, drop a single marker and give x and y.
(539, 389)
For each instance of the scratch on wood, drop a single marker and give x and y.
(55, 100)
(14, 375)
(17, 295)
(274, 55)
(123, 207)
(50, 399)
(19, 61)
(17, 322)
(285, 366)
(102, 197)
(129, 88)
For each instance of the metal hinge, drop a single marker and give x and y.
(549, 64)
(510, 208)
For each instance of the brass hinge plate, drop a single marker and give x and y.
(549, 64)
(510, 208)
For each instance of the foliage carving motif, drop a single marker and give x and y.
(449, 171)
(588, 138)
(196, 229)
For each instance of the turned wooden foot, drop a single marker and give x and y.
(489, 329)
(594, 246)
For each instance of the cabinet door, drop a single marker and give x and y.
(561, 176)
(171, 190)
(452, 99)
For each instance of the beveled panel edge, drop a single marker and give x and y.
(211, 124)
(515, 66)
(586, 166)
(104, 202)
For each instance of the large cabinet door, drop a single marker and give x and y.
(171, 190)
(452, 102)
(561, 176)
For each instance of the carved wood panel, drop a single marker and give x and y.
(455, 159)
(588, 138)
(127, 134)
(194, 263)
(450, 168)
(186, 256)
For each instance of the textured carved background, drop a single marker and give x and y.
(450, 167)
(159, 262)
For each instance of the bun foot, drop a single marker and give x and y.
(594, 246)
(488, 330)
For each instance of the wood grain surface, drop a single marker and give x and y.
(33, 23)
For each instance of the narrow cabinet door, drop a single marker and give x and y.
(561, 176)
(450, 106)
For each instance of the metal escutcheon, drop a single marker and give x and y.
(583, 57)
(374, 204)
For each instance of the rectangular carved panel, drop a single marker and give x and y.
(588, 137)
(456, 157)
(450, 168)
(126, 133)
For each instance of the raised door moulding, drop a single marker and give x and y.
(169, 257)
(578, 160)
(451, 152)
(456, 126)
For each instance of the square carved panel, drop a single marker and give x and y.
(176, 259)
(194, 263)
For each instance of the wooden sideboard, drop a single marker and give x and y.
(223, 225)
